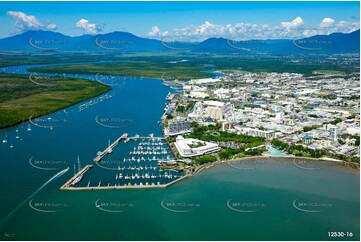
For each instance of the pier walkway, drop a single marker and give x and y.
(115, 187)
(66, 186)
(126, 138)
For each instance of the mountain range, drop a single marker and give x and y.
(336, 43)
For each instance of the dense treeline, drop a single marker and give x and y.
(20, 98)
(205, 159)
(240, 152)
(212, 133)
(151, 68)
(300, 150)
(155, 64)
(297, 150)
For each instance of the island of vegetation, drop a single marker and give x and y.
(21, 98)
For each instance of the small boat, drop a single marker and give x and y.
(4, 140)
(11, 146)
(76, 180)
(29, 127)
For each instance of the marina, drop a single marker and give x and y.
(126, 139)
(141, 169)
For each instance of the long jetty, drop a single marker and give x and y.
(119, 187)
(66, 186)
(125, 137)
(109, 148)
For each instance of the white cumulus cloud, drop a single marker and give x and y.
(155, 32)
(244, 31)
(88, 27)
(297, 22)
(24, 22)
(327, 22)
(51, 27)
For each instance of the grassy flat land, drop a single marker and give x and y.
(20, 98)
(330, 72)
(154, 66)
(149, 68)
(235, 71)
(31, 58)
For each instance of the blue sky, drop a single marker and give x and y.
(193, 19)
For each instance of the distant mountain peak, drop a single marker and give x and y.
(333, 43)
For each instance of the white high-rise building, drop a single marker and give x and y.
(333, 132)
(279, 118)
(215, 110)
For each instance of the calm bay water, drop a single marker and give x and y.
(273, 201)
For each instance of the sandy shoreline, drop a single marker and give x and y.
(352, 166)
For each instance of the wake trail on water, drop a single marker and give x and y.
(57, 175)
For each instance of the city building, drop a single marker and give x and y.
(333, 132)
(307, 139)
(215, 110)
(268, 134)
(177, 127)
(194, 147)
